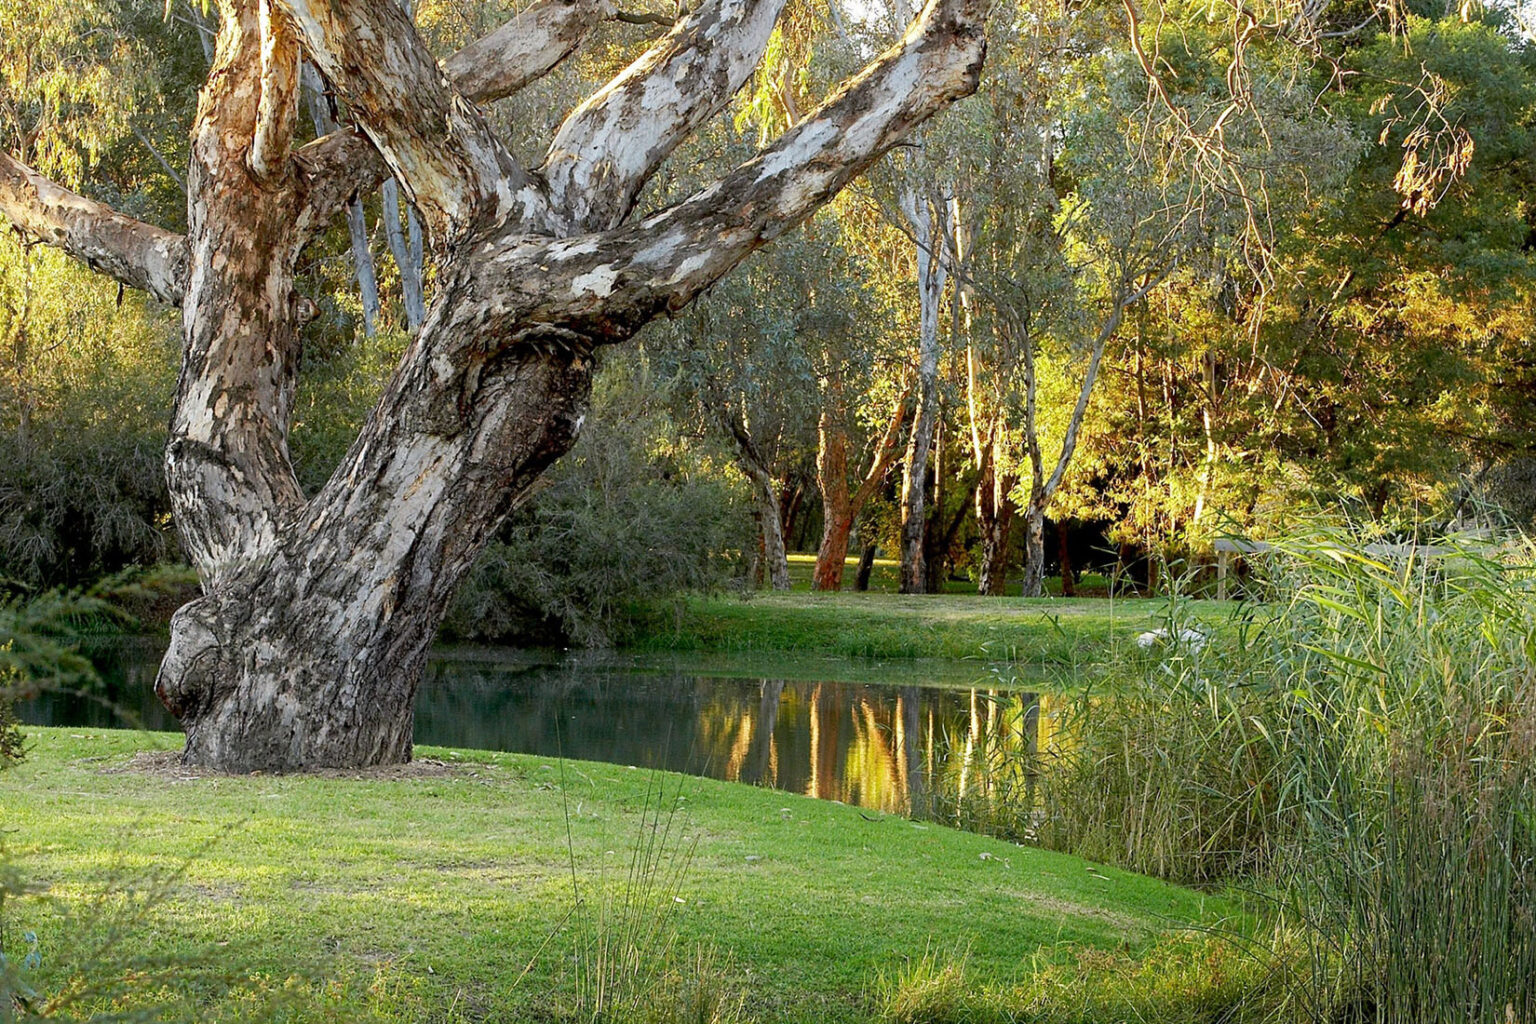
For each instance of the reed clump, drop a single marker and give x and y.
(1359, 748)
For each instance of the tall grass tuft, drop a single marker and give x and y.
(630, 962)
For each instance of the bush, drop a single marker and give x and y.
(627, 517)
(82, 425)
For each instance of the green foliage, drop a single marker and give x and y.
(86, 378)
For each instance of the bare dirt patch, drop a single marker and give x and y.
(166, 764)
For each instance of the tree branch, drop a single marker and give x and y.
(628, 275)
(885, 454)
(344, 164)
(607, 149)
(137, 254)
(439, 147)
(524, 49)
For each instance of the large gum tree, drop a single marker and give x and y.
(317, 611)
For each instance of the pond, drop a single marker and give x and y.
(896, 737)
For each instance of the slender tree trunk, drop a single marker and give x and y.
(1034, 550)
(357, 226)
(936, 539)
(931, 279)
(406, 246)
(407, 253)
(1208, 464)
(996, 531)
(866, 568)
(994, 520)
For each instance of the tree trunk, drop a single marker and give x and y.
(407, 253)
(840, 508)
(832, 556)
(931, 279)
(996, 530)
(309, 655)
(994, 520)
(775, 554)
(765, 498)
(1034, 550)
(357, 226)
(837, 512)
(936, 539)
(866, 568)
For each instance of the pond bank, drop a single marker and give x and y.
(452, 880)
(1061, 631)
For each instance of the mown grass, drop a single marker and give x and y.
(427, 898)
(1064, 631)
(885, 578)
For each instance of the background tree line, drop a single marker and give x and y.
(1049, 336)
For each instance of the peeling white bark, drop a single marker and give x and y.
(607, 149)
(932, 278)
(139, 255)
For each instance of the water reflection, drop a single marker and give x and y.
(901, 749)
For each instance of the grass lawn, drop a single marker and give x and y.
(885, 577)
(424, 896)
(876, 625)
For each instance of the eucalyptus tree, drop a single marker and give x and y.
(927, 210)
(864, 390)
(738, 359)
(317, 611)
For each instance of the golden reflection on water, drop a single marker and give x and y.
(861, 746)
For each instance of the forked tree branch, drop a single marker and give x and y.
(525, 49)
(611, 145)
(137, 254)
(660, 264)
(439, 147)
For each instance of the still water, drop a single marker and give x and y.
(786, 723)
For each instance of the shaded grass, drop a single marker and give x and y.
(1066, 631)
(885, 577)
(427, 897)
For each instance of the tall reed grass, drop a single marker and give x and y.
(1360, 747)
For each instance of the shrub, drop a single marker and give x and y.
(626, 518)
